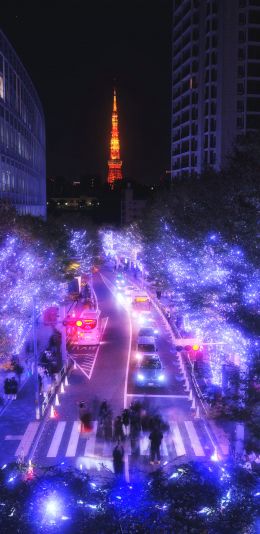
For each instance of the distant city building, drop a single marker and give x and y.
(22, 136)
(131, 207)
(215, 80)
(70, 203)
(114, 163)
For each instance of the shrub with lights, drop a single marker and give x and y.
(194, 498)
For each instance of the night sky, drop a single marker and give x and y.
(73, 51)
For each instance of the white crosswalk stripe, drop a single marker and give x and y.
(144, 445)
(177, 439)
(56, 440)
(183, 439)
(90, 444)
(194, 439)
(73, 441)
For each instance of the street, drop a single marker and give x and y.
(105, 372)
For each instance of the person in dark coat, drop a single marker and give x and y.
(118, 429)
(126, 421)
(155, 437)
(118, 459)
(85, 418)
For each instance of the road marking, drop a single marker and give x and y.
(159, 396)
(91, 440)
(177, 439)
(56, 440)
(10, 438)
(27, 439)
(112, 290)
(73, 441)
(127, 478)
(164, 448)
(98, 349)
(194, 438)
(128, 358)
(144, 445)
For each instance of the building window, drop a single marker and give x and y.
(240, 106)
(241, 71)
(240, 122)
(241, 53)
(212, 157)
(213, 75)
(241, 36)
(242, 19)
(240, 88)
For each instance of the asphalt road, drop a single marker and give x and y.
(106, 372)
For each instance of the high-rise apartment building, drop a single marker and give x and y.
(22, 137)
(215, 80)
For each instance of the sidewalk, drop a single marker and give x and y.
(26, 360)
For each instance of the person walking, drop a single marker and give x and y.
(85, 418)
(126, 421)
(155, 438)
(118, 459)
(103, 411)
(118, 429)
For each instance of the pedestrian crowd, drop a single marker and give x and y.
(130, 424)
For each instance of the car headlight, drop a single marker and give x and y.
(138, 356)
(156, 331)
(161, 377)
(140, 377)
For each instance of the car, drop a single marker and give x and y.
(148, 331)
(145, 345)
(150, 371)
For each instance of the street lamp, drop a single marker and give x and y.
(35, 354)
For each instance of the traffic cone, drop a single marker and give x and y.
(193, 406)
(52, 414)
(66, 381)
(62, 390)
(190, 395)
(197, 414)
(75, 365)
(57, 402)
(187, 385)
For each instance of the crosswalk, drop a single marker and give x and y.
(63, 439)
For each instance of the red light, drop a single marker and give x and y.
(196, 347)
(79, 323)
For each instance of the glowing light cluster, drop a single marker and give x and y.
(208, 281)
(81, 249)
(26, 270)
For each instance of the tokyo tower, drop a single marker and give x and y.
(114, 163)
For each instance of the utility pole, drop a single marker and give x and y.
(35, 354)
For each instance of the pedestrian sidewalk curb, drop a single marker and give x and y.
(46, 415)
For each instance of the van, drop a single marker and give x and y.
(145, 344)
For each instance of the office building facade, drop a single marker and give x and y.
(22, 137)
(215, 80)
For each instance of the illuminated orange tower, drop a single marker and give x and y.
(114, 163)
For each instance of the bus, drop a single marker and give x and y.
(83, 326)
